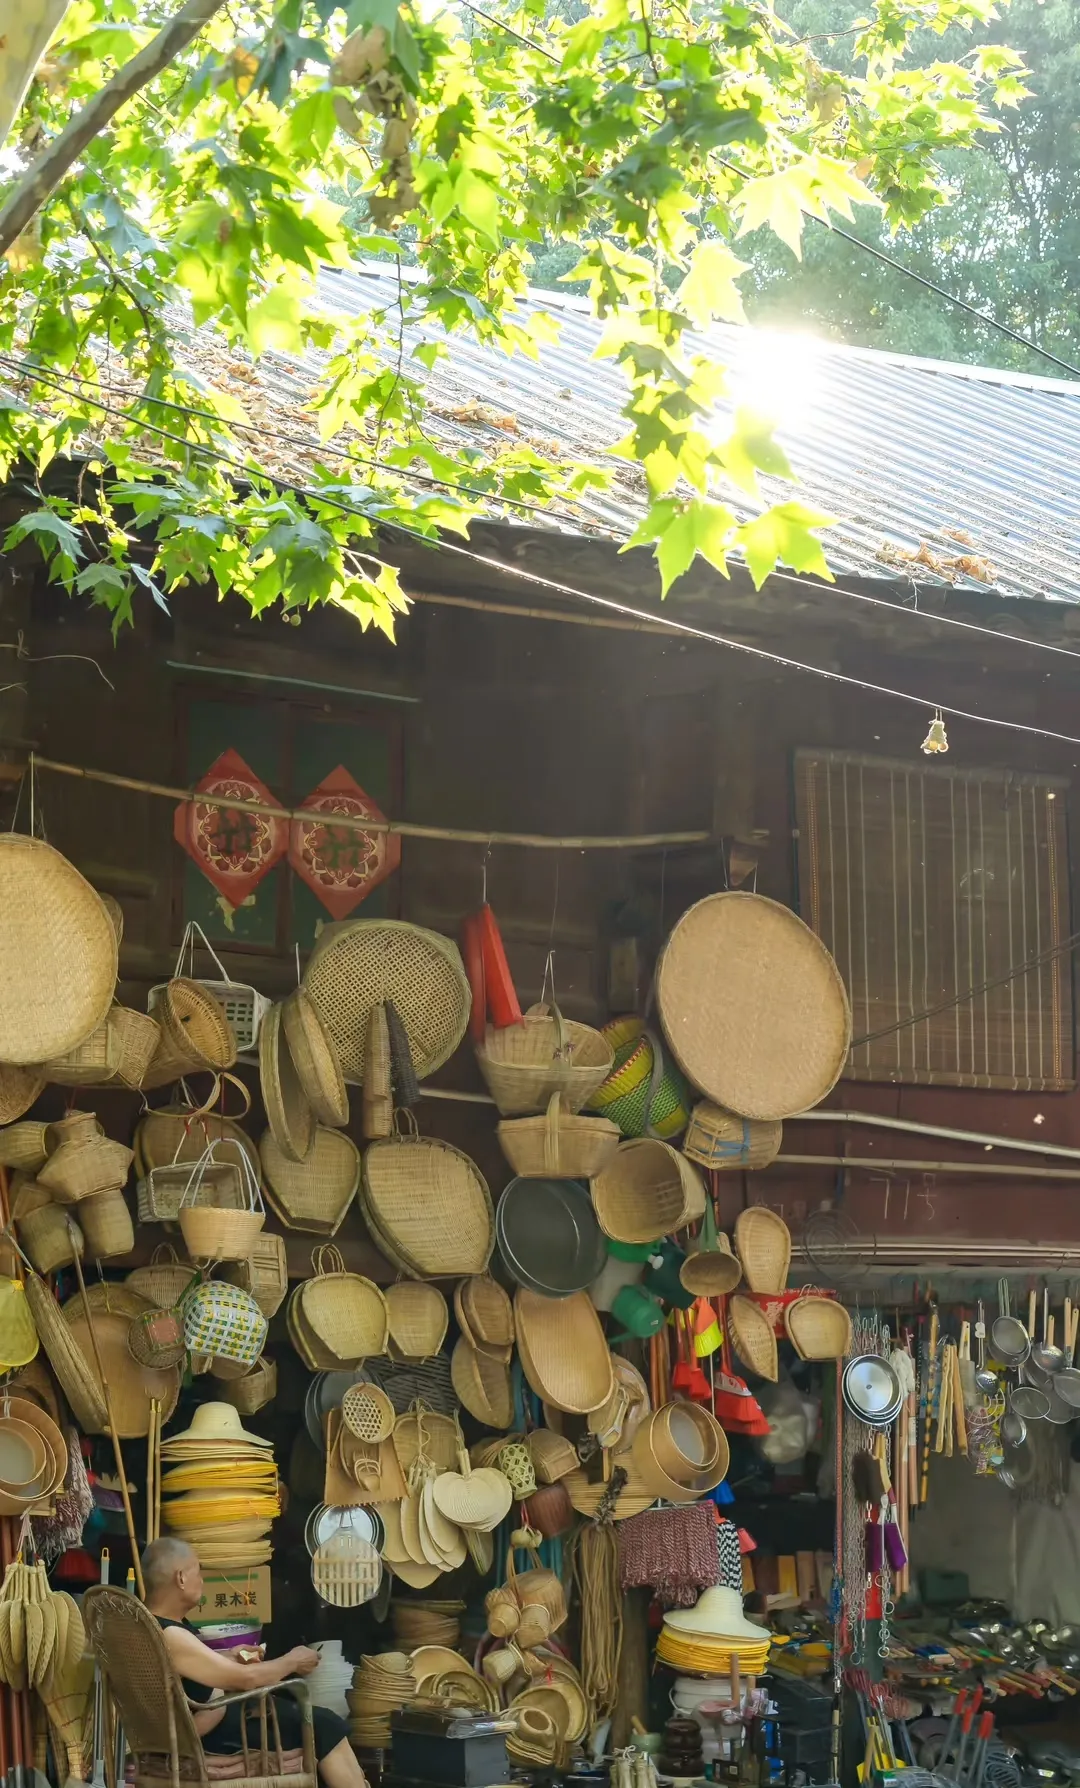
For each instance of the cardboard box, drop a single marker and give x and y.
(237, 1595)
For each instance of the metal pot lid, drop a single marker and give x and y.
(548, 1230)
(871, 1389)
(327, 1520)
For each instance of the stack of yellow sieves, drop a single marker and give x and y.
(220, 1491)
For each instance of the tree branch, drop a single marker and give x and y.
(47, 170)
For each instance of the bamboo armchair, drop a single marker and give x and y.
(157, 1716)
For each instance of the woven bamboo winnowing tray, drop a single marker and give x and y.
(312, 1195)
(291, 1119)
(482, 1385)
(818, 1328)
(419, 1318)
(344, 1312)
(431, 1204)
(752, 1334)
(346, 1570)
(763, 1242)
(361, 963)
(563, 1351)
(753, 1006)
(487, 1311)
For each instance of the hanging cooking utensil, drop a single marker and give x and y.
(871, 1390)
(1009, 1338)
(985, 1380)
(1067, 1381)
(1044, 1354)
(1028, 1402)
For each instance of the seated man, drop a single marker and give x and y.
(174, 1586)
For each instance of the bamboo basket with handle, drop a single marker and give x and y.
(547, 1053)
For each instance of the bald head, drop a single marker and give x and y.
(168, 1566)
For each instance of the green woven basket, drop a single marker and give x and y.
(645, 1094)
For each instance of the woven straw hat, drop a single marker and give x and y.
(753, 1006)
(719, 1613)
(362, 963)
(58, 953)
(216, 1422)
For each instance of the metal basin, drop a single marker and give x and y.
(548, 1236)
(872, 1390)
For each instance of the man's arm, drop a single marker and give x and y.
(221, 1670)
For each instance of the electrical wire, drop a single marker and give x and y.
(71, 389)
(683, 628)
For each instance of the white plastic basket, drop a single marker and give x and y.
(244, 1007)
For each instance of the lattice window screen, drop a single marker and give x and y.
(925, 883)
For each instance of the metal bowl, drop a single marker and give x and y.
(872, 1390)
(548, 1236)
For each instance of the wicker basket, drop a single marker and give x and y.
(165, 1280)
(118, 1053)
(645, 1094)
(174, 1134)
(93, 1062)
(138, 1038)
(344, 1311)
(315, 1059)
(106, 1225)
(763, 1241)
(264, 1273)
(196, 1036)
(418, 1318)
(83, 1161)
(211, 1232)
(243, 1007)
(46, 1231)
(223, 1321)
(552, 1455)
(818, 1328)
(377, 1099)
(647, 1191)
(723, 1142)
(160, 1195)
(255, 1389)
(752, 1335)
(25, 1145)
(428, 1206)
(361, 963)
(312, 1195)
(156, 1338)
(544, 1054)
(558, 1146)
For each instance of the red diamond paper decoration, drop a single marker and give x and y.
(341, 863)
(234, 849)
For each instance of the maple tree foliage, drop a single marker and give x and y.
(650, 136)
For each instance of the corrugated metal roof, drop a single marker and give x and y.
(934, 471)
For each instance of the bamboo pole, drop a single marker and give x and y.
(118, 1455)
(993, 1169)
(351, 822)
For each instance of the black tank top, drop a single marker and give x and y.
(195, 1691)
